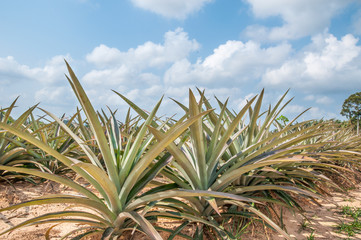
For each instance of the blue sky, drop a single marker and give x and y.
(148, 48)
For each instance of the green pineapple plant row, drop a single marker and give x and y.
(216, 166)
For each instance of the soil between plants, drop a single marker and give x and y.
(320, 219)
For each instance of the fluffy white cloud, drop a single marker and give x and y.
(177, 45)
(53, 71)
(320, 99)
(231, 63)
(240, 102)
(52, 94)
(301, 17)
(294, 110)
(12, 71)
(118, 67)
(104, 56)
(328, 64)
(178, 9)
(314, 112)
(319, 113)
(234, 70)
(46, 84)
(136, 73)
(110, 76)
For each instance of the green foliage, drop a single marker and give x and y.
(209, 167)
(355, 213)
(351, 108)
(354, 226)
(118, 171)
(15, 151)
(242, 162)
(312, 236)
(283, 119)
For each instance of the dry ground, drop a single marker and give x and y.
(319, 219)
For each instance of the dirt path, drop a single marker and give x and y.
(321, 220)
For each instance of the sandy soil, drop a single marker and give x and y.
(20, 192)
(321, 220)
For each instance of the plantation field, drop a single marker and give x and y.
(214, 173)
(321, 220)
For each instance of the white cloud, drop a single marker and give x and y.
(241, 102)
(178, 9)
(110, 76)
(149, 79)
(52, 94)
(258, 33)
(318, 113)
(53, 71)
(294, 110)
(145, 98)
(177, 92)
(104, 56)
(328, 65)
(301, 17)
(136, 73)
(231, 63)
(118, 67)
(234, 70)
(133, 94)
(320, 99)
(12, 71)
(324, 100)
(177, 45)
(46, 84)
